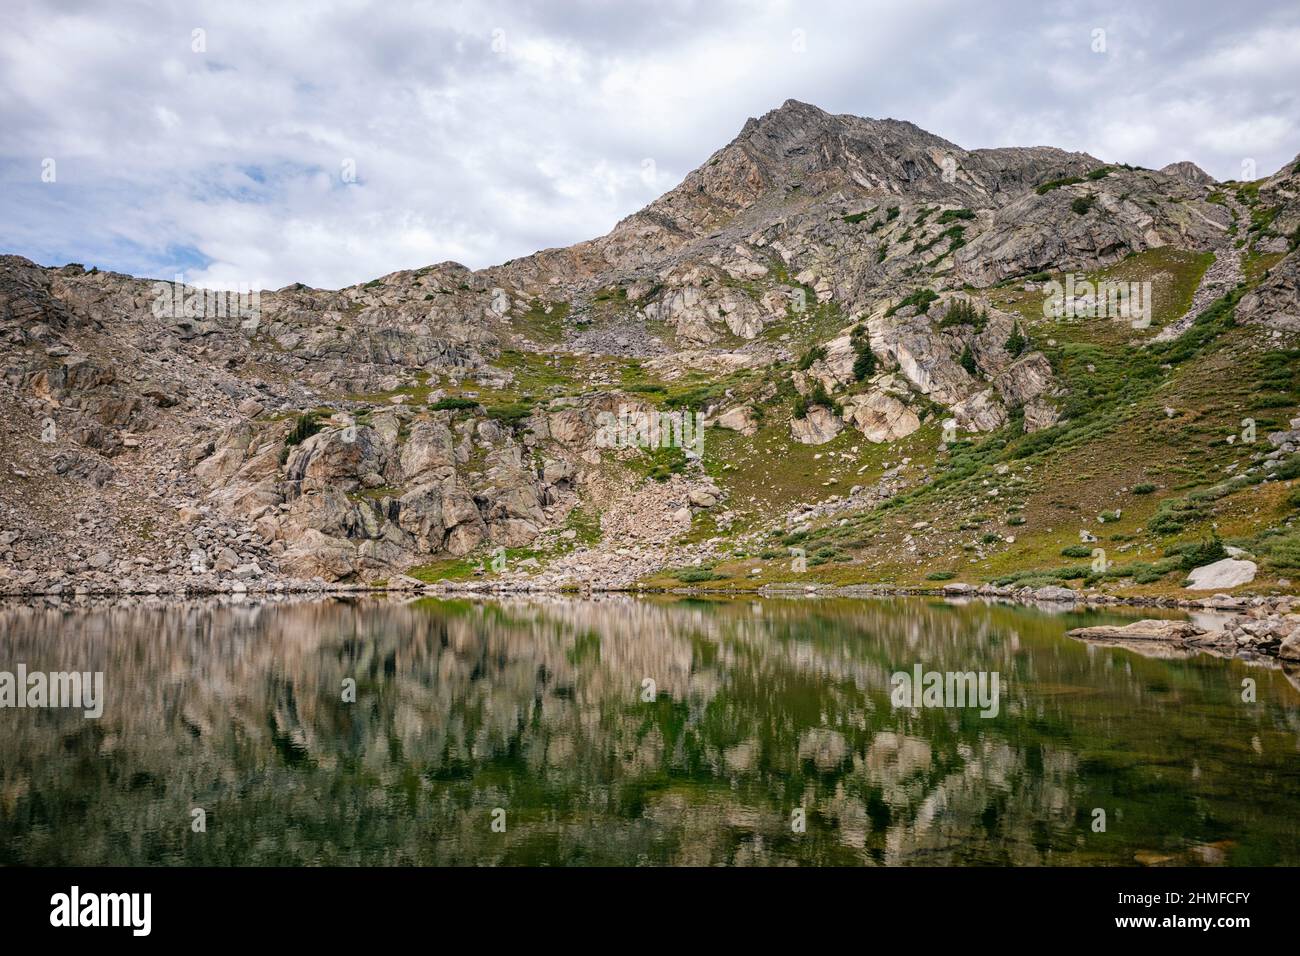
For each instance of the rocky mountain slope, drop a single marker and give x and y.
(854, 309)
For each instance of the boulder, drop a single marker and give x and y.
(1148, 630)
(1228, 573)
(466, 527)
(464, 538)
(555, 470)
(817, 427)
(703, 497)
(925, 357)
(420, 514)
(981, 412)
(429, 452)
(335, 459)
(881, 417)
(1026, 378)
(569, 426)
(250, 408)
(514, 532)
(739, 419)
(318, 555)
(1040, 414)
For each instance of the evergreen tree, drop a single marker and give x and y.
(1016, 343)
(968, 360)
(864, 365)
(864, 361)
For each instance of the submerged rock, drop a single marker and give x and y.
(1149, 630)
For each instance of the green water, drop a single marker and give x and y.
(532, 714)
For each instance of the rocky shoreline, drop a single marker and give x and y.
(173, 586)
(1263, 634)
(1257, 624)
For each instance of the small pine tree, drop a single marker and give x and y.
(864, 360)
(1016, 342)
(968, 360)
(864, 364)
(813, 355)
(303, 428)
(819, 396)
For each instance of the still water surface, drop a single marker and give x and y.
(537, 708)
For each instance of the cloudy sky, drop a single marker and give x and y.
(252, 142)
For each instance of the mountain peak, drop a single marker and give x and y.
(1188, 172)
(791, 112)
(797, 107)
(797, 146)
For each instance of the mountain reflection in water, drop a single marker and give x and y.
(535, 706)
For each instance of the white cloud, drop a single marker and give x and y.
(233, 157)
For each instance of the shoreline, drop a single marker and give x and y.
(1252, 626)
(1219, 601)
